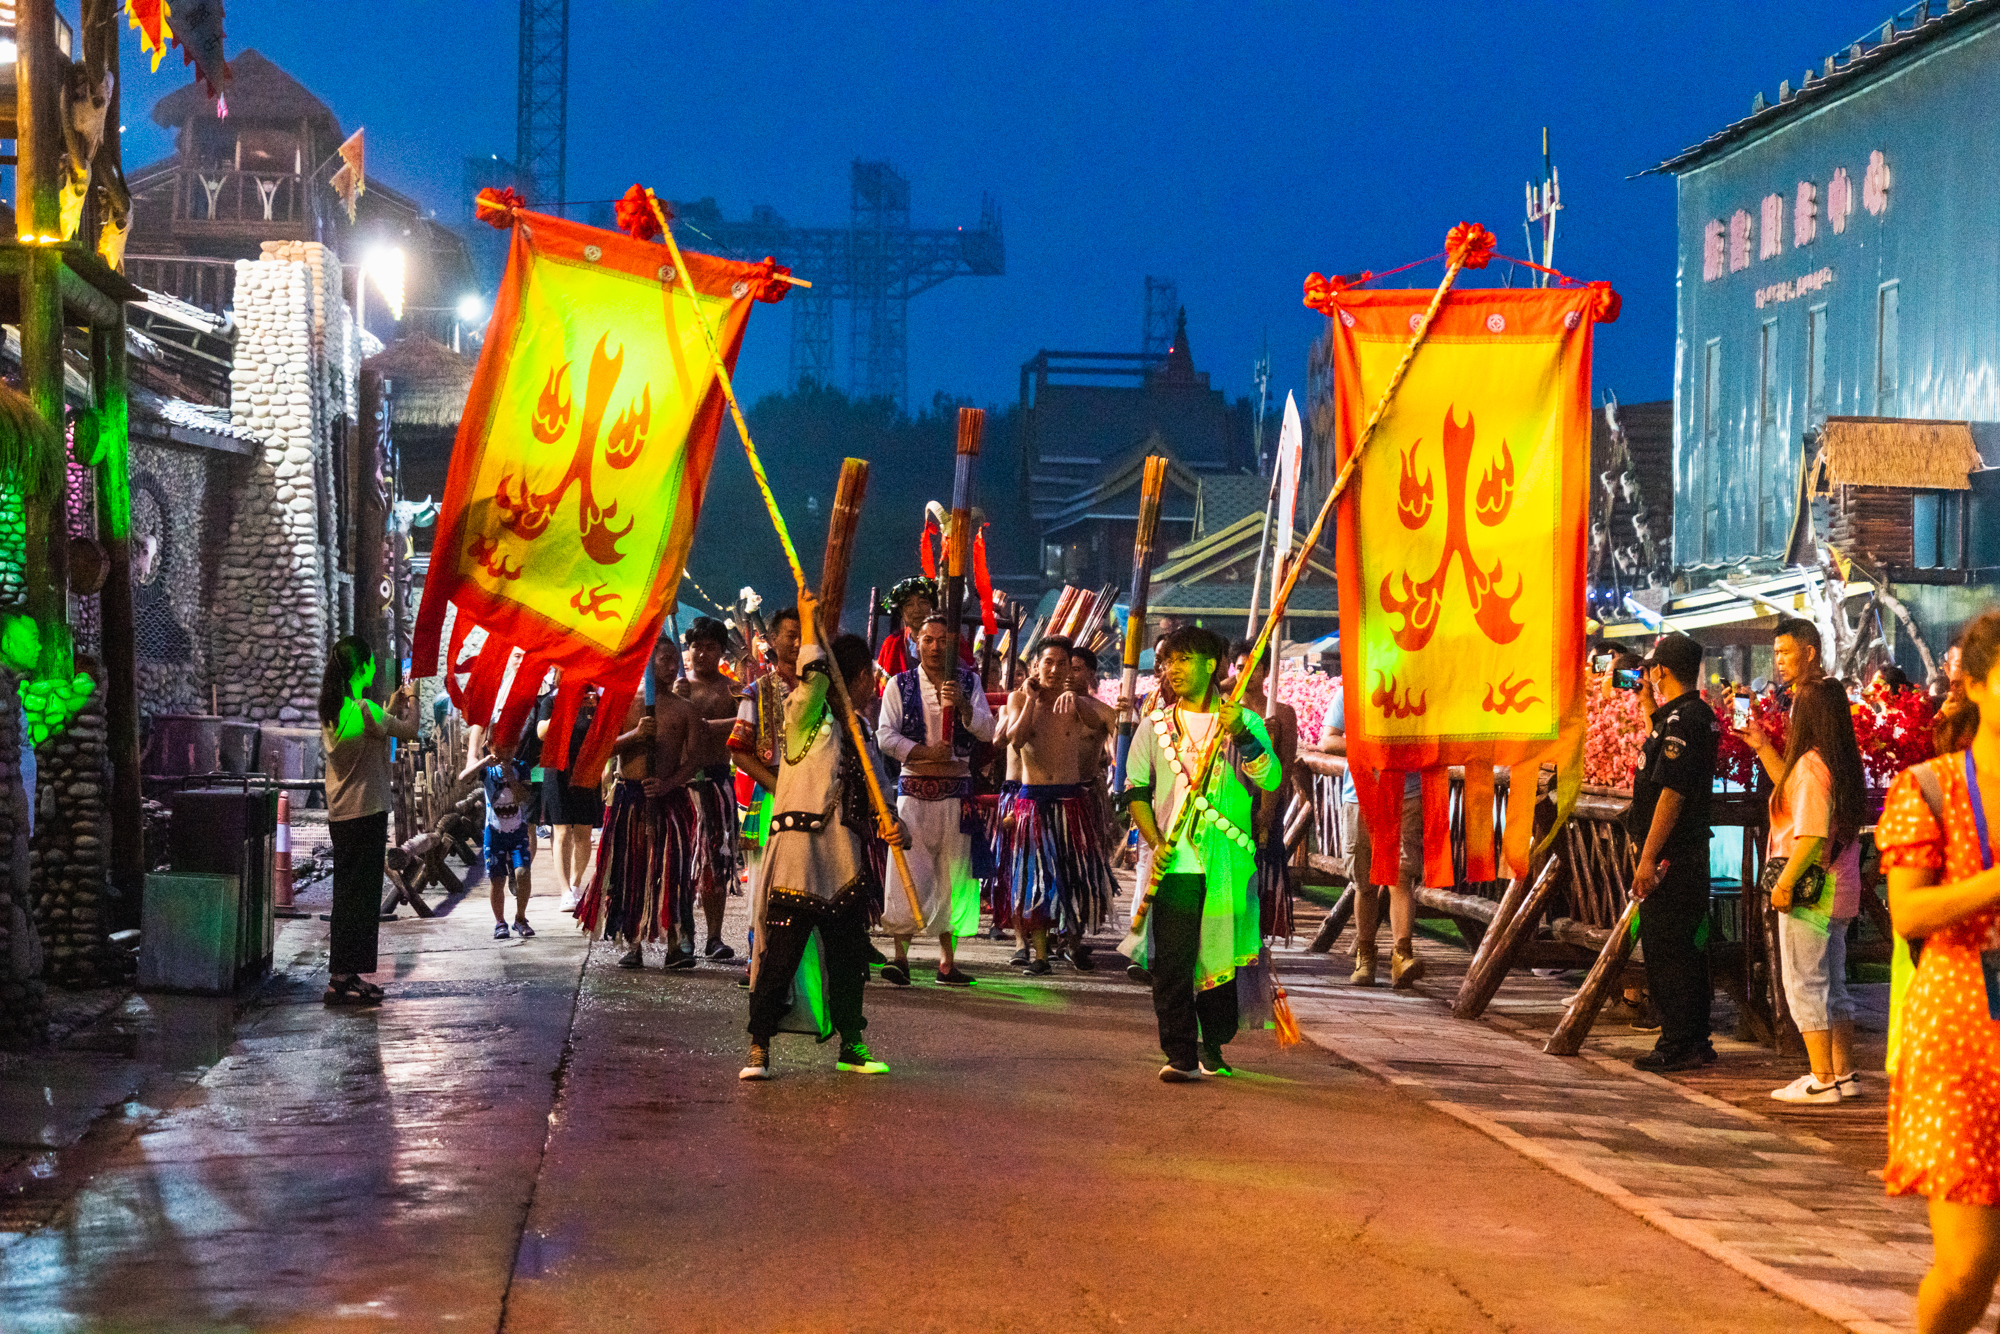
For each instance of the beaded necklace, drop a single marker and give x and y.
(812, 737)
(1176, 752)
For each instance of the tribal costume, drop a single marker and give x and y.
(758, 719)
(991, 856)
(817, 874)
(623, 901)
(1052, 860)
(934, 798)
(1202, 926)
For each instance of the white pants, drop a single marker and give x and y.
(940, 857)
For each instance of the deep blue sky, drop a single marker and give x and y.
(1232, 147)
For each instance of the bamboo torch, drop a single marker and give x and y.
(1151, 486)
(958, 542)
(840, 527)
(1184, 811)
(883, 810)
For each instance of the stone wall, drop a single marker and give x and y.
(68, 852)
(24, 1002)
(273, 618)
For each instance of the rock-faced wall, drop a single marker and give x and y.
(24, 1002)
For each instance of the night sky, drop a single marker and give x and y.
(1234, 148)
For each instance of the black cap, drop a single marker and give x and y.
(1680, 655)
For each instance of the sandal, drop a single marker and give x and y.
(351, 990)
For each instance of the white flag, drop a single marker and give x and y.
(1291, 448)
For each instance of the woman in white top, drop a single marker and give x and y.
(1816, 813)
(354, 731)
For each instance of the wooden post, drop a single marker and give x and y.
(1484, 979)
(1152, 484)
(1568, 1038)
(371, 505)
(1336, 922)
(38, 76)
(1503, 916)
(958, 542)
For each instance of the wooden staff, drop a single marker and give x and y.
(840, 527)
(874, 618)
(1184, 812)
(1151, 486)
(883, 810)
(958, 542)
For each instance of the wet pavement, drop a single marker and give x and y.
(526, 1137)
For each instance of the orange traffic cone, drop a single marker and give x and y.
(281, 855)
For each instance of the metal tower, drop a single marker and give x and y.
(876, 264)
(1163, 298)
(541, 130)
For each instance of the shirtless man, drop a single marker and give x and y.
(1096, 772)
(1055, 859)
(623, 900)
(706, 760)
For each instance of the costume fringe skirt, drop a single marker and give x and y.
(623, 901)
(1054, 862)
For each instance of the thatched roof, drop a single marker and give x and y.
(259, 91)
(430, 380)
(1898, 451)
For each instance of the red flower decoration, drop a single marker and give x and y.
(1469, 245)
(1321, 290)
(770, 280)
(496, 208)
(634, 213)
(1605, 303)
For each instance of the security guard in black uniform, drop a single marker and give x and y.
(1668, 825)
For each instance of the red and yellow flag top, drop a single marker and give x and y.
(579, 469)
(1461, 556)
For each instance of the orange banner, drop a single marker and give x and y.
(1461, 556)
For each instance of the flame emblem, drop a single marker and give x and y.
(1384, 698)
(1496, 490)
(1507, 699)
(1420, 601)
(490, 558)
(595, 602)
(628, 433)
(552, 410)
(1413, 499)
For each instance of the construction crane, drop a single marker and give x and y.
(875, 264)
(541, 130)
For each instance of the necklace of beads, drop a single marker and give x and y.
(1202, 805)
(812, 737)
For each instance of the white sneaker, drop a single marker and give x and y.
(1806, 1089)
(569, 901)
(1849, 1084)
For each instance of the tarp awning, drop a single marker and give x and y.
(1898, 451)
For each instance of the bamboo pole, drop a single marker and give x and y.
(883, 810)
(1184, 813)
(958, 542)
(840, 527)
(1151, 486)
(38, 72)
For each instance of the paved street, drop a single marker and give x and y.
(528, 1138)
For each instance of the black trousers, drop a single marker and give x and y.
(359, 847)
(843, 941)
(1187, 1017)
(1676, 967)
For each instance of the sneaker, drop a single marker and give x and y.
(876, 956)
(500, 931)
(1180, 1074)
(634, 958)
(1079, 955)
(957, 977)
(522, 929)
(680, 958)
(1138, 973)
(719, 952)
(570, 899)
(1807, 1089)
(896, 974)
(1213, 1062)
(759, 1064)
(855, 1060)
(1021, 957)
(1646, 1023)
(1039, 968)
(1848, 1084)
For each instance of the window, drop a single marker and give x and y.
(1770, 456)
(1886, 379)
(1711, 442)
(1052, 560)
(1740, 228)
(1712, 253)
(1816, 365)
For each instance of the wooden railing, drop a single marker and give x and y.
(208, 283)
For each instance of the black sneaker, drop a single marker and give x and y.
(1137, 973)
(855, 1060)
(680, 958)
(1021, 956)
(1667, 1063)
(1213, 1062)
(896, 974)
(957, 977)
(719, 952)
(1039, 968)
(1180, 1074)
(1080, 956)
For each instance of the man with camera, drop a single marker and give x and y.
(1668, 821)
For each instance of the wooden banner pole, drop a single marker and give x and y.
(958, 542)
(1152, 485)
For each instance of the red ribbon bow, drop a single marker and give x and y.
(770, 279)
(496, 208)
(1605, 303)
(634, 214)
(1469, 245)
(1321, 290)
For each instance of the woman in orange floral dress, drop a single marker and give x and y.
(1944, 1098)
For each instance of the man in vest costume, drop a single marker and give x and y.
(931, 717)
(1203, 923)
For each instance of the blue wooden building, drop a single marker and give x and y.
(1838, 342)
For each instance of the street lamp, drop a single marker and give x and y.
(470, 307)
(385, 265)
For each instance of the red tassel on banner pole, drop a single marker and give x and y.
(926, 557)
(983, 582)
